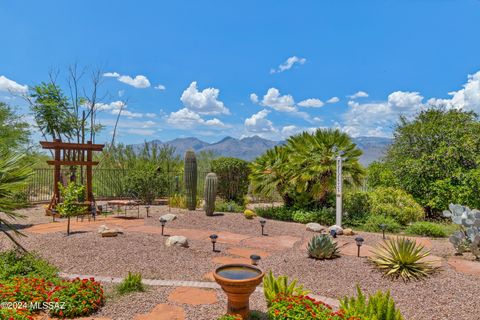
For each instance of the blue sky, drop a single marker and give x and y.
(242, 68)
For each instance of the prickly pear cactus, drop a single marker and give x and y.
(210, 193)
(469, 237)
(190, 179)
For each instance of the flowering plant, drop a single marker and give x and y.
(15, 314)
(78, 297)
(285, 307)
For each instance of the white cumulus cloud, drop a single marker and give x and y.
(333, 100)
(288, 64)
(311, 103)
(111, 74)
(254, 98)
(186, 119)
(275, 100)
(259, 123)
(139, 81)
(358, 94)
(203, 102)
(11, 86)
(160, 87)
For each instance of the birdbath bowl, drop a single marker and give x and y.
(239, 282)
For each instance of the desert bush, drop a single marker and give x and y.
(23, 264)
(325, 216)
(273, 286)
(146, 183)
(276, 213)
(397, 204)
(373, 224)
(131, 283)
(356, 208)
(428, 229)
(379, 306)
(402, 257)
(232, 176)
(228, 206)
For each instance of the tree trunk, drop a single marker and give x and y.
(68, 226)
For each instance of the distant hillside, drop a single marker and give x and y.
(251, 147)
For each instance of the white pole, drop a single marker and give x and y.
(339, 192)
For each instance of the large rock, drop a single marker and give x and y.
(180, 241)
(109, 233)
(102, 228)
(314, 227)
(338, 229)
(348, 232)
(169, 217)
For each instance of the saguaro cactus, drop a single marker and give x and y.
(210, 193)
(190, 179)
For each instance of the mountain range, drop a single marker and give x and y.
(251, 147)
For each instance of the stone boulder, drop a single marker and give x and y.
(314, 227)
(109, 233)
(179, 241)
(348, 232)
(102, 228)
(168, 217)
(338, 229)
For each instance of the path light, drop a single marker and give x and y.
(255, 259)
(333, 233)
(54, 213)
(229, 208)
(147, 207)
(359, 241)
(262, 224)
(383, 227)
(163, 222)
(213, 238)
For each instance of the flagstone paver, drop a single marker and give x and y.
(247, 252)
(465, 266)
(351, 249)
(193, 296)
(271, 243)
(163, 311)
(231, 238)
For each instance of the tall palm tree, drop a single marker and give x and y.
(14, 173)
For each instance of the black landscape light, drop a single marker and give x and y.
(333, 233)
(213, 238)
(262, 224)
(383, 227)
(359, 241)
(255, 259)
(163, 222)
(147, 207)
(54, 213)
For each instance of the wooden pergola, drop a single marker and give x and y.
(71, 154)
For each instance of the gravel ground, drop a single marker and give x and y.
(446, 295)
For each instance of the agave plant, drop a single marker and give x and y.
(402, 257)
(272, 287)
(469, 237)
(322, 246)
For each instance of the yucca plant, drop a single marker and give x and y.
(272, 287)
(379, 306)
(402, 257)
(14, 173)
(322, 247)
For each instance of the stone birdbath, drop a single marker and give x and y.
(239, 282)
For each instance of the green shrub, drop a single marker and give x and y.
(15, 314)
(232, 176)
(179, 201)
(428, 229)
(379, 306)
(356, 208)
(402, 257)
(397, 204)
(146, 183)
(272, 287)
(301, 307)
(373, 224)
(276, 213)
(21, 264)
(131, 283)
(228, 206)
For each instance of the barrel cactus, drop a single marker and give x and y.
(469, 237)
(322, 247)
(210, 193)
(190, 179)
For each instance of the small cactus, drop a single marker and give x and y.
(210, 193)
(322, 247)
(190, 179)
(468, 238)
